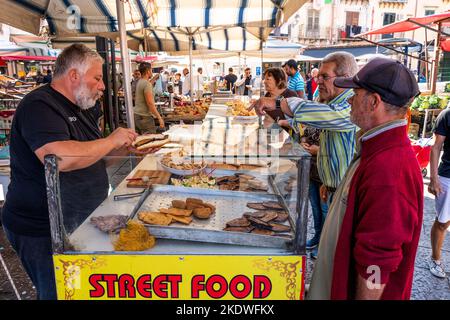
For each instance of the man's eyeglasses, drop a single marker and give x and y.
(325, 78)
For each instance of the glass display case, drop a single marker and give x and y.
(224, 197)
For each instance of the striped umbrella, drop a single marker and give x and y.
(96, 17)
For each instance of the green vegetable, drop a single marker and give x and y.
(443, 103)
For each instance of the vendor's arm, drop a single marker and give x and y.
(76, 155)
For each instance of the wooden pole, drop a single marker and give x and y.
(427, 70)
(437, 52)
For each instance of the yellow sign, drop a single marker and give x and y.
(160, 277)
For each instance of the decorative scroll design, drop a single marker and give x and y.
(72, 277)
(287, 270)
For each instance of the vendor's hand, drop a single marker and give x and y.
(284, 123)
(323, 193)
(435, 187)
(122, 137)
(262, 105)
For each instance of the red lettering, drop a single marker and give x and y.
(98, 291)
(144, 286)
(110, 281)
(174, 280)
(126, 286)
(223, 286)
(160, 286)
(240, 279)
(197, 284)
(262, 287)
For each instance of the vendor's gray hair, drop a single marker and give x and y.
(345, 62)
(76, 56)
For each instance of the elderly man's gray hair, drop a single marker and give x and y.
(345, 62)
(76, 56)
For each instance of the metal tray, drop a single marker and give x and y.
(221, 173)
(229, 205)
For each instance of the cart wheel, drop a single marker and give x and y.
(424, 172)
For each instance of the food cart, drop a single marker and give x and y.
(207, 258)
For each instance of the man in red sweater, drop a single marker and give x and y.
(370, 237)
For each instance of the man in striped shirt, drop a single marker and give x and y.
(295, 80)
(331, 114)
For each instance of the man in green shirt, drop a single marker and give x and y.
(145, 108)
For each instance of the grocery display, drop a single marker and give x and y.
(423, 102)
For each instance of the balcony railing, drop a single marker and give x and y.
(350, 31)
(316, 33)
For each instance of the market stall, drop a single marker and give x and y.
(225, 205)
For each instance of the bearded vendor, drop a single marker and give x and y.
(58, 118)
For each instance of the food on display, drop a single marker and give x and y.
(238, 181)
(272, 205)
(147, 141)
(204, 105)
(111, 223)
(183, 220)
(281, 217)
(264, 222)
(165, 216)
(263, 232)
(179, 204)
(256, 206)
(238, 222)
(239, 108)
(180, 160)
(198, 181)
(269, 216)
(157, 218)
(135, 237)
(279, 227)
(239, 229)
(202, 213)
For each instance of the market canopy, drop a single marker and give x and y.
(411, 24)
(98, 17)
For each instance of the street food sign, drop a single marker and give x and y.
(163, 277)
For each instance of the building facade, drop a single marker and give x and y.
(334, 22)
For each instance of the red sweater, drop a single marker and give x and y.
(383, 218)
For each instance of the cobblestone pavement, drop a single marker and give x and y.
(425, 285)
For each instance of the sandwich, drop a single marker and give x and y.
(147, 141)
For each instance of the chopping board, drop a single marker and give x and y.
(162, 178)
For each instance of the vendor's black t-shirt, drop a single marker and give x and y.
(44, 116)
(443, 128)
(231, 79)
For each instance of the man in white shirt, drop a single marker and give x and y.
(198, 83)
(186, 90)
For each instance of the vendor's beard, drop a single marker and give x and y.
(84, 98)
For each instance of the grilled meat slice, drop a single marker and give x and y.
(272, 205)
(279, 227)
(239, 222)
(256, 206)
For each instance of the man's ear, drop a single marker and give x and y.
(73, 75)
(375, 101)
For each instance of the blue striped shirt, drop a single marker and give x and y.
(296, 83)
(337, 139)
